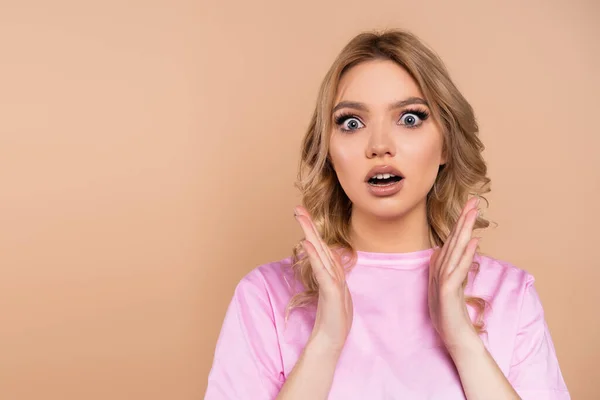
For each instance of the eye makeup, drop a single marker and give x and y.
(421, 113)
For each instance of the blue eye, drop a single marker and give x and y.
(410, 118)
(348, 122)
(413, 118)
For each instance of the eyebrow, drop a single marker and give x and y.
(362, 107)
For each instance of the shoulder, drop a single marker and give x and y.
(501, 282)
(268, 275)
(270, 283)
(496, 272)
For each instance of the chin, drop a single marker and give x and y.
(385, 209)
(388, 215)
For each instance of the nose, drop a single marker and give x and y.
(380, 144)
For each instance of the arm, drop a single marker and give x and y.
(480, 376)
(534, 372)
(247, 361)
(312, 375)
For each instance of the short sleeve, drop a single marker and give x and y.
(534, 372)
(247, 362)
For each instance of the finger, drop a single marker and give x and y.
(460, 272)
(435, 255)
(321, 273)
(469, 205)
(312, 234)
(451, 241)
(303, 211)
(336, 258)
(321, 245)
(433, 263)
(462, 240)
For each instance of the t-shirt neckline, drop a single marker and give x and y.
(405, 260)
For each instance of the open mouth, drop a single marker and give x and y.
(384, 181)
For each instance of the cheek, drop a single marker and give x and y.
(428, 157)
(424, 163)
(344, 157)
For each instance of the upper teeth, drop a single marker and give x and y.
(382, 176)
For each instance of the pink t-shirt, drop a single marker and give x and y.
(392, 350)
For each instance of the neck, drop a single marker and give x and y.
(403, 234)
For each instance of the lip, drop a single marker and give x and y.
(388, 190)
(383, 169)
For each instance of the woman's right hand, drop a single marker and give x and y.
(334, 308)
(312, 375)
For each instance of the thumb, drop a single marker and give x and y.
(435, 255)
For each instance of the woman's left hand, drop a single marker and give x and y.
(448, 268)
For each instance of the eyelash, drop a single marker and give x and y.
(422, 114)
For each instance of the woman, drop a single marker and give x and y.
(387, 297)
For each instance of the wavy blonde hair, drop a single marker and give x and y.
(464, 172)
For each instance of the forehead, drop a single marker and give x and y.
(377, 83)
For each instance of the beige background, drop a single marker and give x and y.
(148, 151)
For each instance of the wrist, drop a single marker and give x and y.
(321, 348)
(468, 345)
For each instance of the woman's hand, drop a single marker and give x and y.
(448, 268)
(480, 376)
(334, 308)
(312, 375)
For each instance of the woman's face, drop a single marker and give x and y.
(371, 128)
